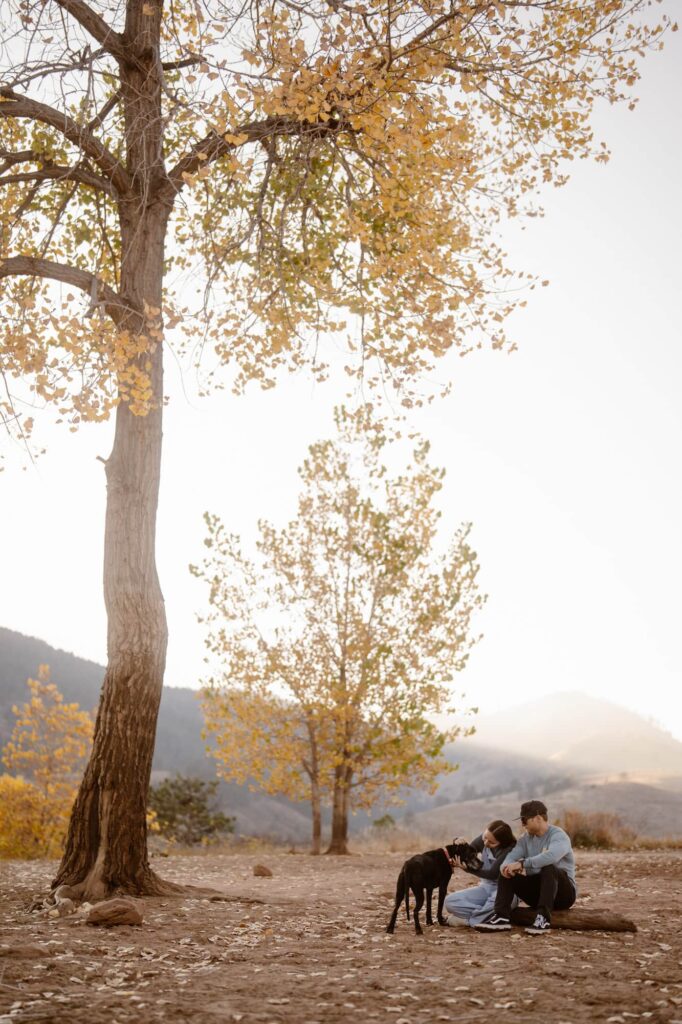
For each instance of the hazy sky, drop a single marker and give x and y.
(565, 455)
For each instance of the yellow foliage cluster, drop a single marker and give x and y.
(45, 755)
(24, 815)
(326, 170)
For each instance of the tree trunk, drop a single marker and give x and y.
(316, 808)
(579, 919)
(106, 846)
(339, 837)
(312, 767)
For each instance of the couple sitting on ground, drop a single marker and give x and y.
(538, 868)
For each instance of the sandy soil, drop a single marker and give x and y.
(309, 945)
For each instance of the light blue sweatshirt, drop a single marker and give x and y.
(538, 851)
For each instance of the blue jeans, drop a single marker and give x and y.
(472, 905)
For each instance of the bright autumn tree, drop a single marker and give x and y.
(315, 169)
(348, 619)
(263, 739)
(22, 811)
(48, 748)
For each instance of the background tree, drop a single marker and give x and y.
(22, 813)
(181, 806)
(266, 740)
(46, 752)
(322, 169)
(349, 614)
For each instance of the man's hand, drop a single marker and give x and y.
(515, 868)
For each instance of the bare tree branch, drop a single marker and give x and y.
(49, 171)
(118, 308)
(100, 117)
(214, 146)
(28, 73)
(186, 62)
(97, 27)
(14, 105)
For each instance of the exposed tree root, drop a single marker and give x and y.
(155, 886)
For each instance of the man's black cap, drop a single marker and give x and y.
(531, 808)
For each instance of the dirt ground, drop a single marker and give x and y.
(309, 945)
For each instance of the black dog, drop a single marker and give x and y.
(429, 871)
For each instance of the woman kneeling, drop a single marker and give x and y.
(473, 905)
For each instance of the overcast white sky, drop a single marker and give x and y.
(566, 456)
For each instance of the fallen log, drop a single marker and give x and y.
(579, 919)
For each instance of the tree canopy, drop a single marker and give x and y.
(328, 168)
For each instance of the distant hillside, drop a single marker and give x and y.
(486, 771)
(546, 749)
(650, 810)
(179, 746)
(581, 734)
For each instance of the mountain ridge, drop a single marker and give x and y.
(490, 778)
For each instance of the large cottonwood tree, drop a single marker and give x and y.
(317, 168)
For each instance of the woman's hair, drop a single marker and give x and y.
(502, 832)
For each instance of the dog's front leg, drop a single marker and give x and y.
(429, 915)
(442, 891)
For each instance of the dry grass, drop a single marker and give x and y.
(597, 830)
(658, 843)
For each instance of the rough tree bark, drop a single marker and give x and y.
(316, 809)
(312, 767)
(340, 805)
(106, 847)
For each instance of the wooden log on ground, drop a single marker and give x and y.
(579, 919)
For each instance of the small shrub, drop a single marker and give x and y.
(181, 811)
(386, 821)
(597, 830)
(26, 829)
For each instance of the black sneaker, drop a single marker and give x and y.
(540, 926)
(495, 923)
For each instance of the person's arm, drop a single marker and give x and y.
(493, 872)
(558, 846)
(517, 852)
(478, 844)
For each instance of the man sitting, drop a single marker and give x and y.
(540, 870)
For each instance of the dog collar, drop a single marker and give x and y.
(448, 857)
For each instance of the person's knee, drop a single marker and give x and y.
(550, 870)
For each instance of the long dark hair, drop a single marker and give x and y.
(502, 832)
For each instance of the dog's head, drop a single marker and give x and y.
(466, 853)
